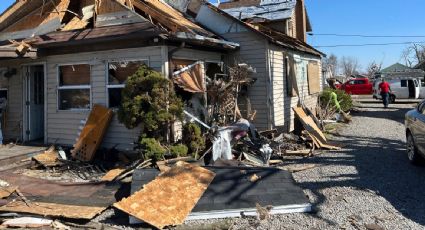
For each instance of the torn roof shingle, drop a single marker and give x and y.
(267, 9)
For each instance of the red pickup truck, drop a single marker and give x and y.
(358, 86)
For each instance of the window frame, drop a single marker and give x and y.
(71, 87)
(404, 85)
(118, 86)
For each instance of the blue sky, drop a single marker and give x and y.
(377, 17)
(366, 17)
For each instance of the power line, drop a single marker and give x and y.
(369, 36)
(370, 44)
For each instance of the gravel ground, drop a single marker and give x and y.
(367, 185)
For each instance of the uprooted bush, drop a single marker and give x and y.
(149, 100)
(152, 149)
(178, 150)
(344, 99)
(192, 138)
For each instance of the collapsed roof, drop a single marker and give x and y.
(271, 10)
(41, 22)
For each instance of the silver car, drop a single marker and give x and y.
(415, 133)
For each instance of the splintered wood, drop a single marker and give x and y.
(92, 134)
(46, 13)
(169, 198)
(51, 209)
(313, 130)
(49, 158)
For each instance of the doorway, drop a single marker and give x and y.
(412, 89)
(34, 103)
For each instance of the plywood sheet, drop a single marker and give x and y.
(313, 73)
(110, 6)
(170, 197)
(51, 209)
(92, 134)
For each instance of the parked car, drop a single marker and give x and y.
(358, 86)
(415, 133)
(401, 88)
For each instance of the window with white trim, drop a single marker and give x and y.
(74, 87)
(118, 72)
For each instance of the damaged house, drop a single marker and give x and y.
(78, 53)
(59, 58)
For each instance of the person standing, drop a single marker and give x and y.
(385, 90)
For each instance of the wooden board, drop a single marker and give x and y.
(51, 209)
(313, 74)
(309, 124)
(169, 198)
(112, 174)
(92, 134)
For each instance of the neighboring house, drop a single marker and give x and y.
(399, 70)
(56, 65)
(75, 62)
(286, 16)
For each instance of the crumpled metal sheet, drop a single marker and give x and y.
(169, 198)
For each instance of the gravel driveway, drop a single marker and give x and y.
(367, 185)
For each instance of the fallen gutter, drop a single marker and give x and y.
(196, 119)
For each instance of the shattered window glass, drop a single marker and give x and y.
(70, 99)
(118, 72)
(74, 87)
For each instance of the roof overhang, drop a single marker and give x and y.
(10, 52)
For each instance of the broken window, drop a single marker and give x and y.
(118, 72)
(74, 87)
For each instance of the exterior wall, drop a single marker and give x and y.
(253, 51)
(14, 119)
(63, 126)
(284, 117)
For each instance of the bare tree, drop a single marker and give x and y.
(349, 66)
(373, 68)
(331, 64)
(414, 54)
